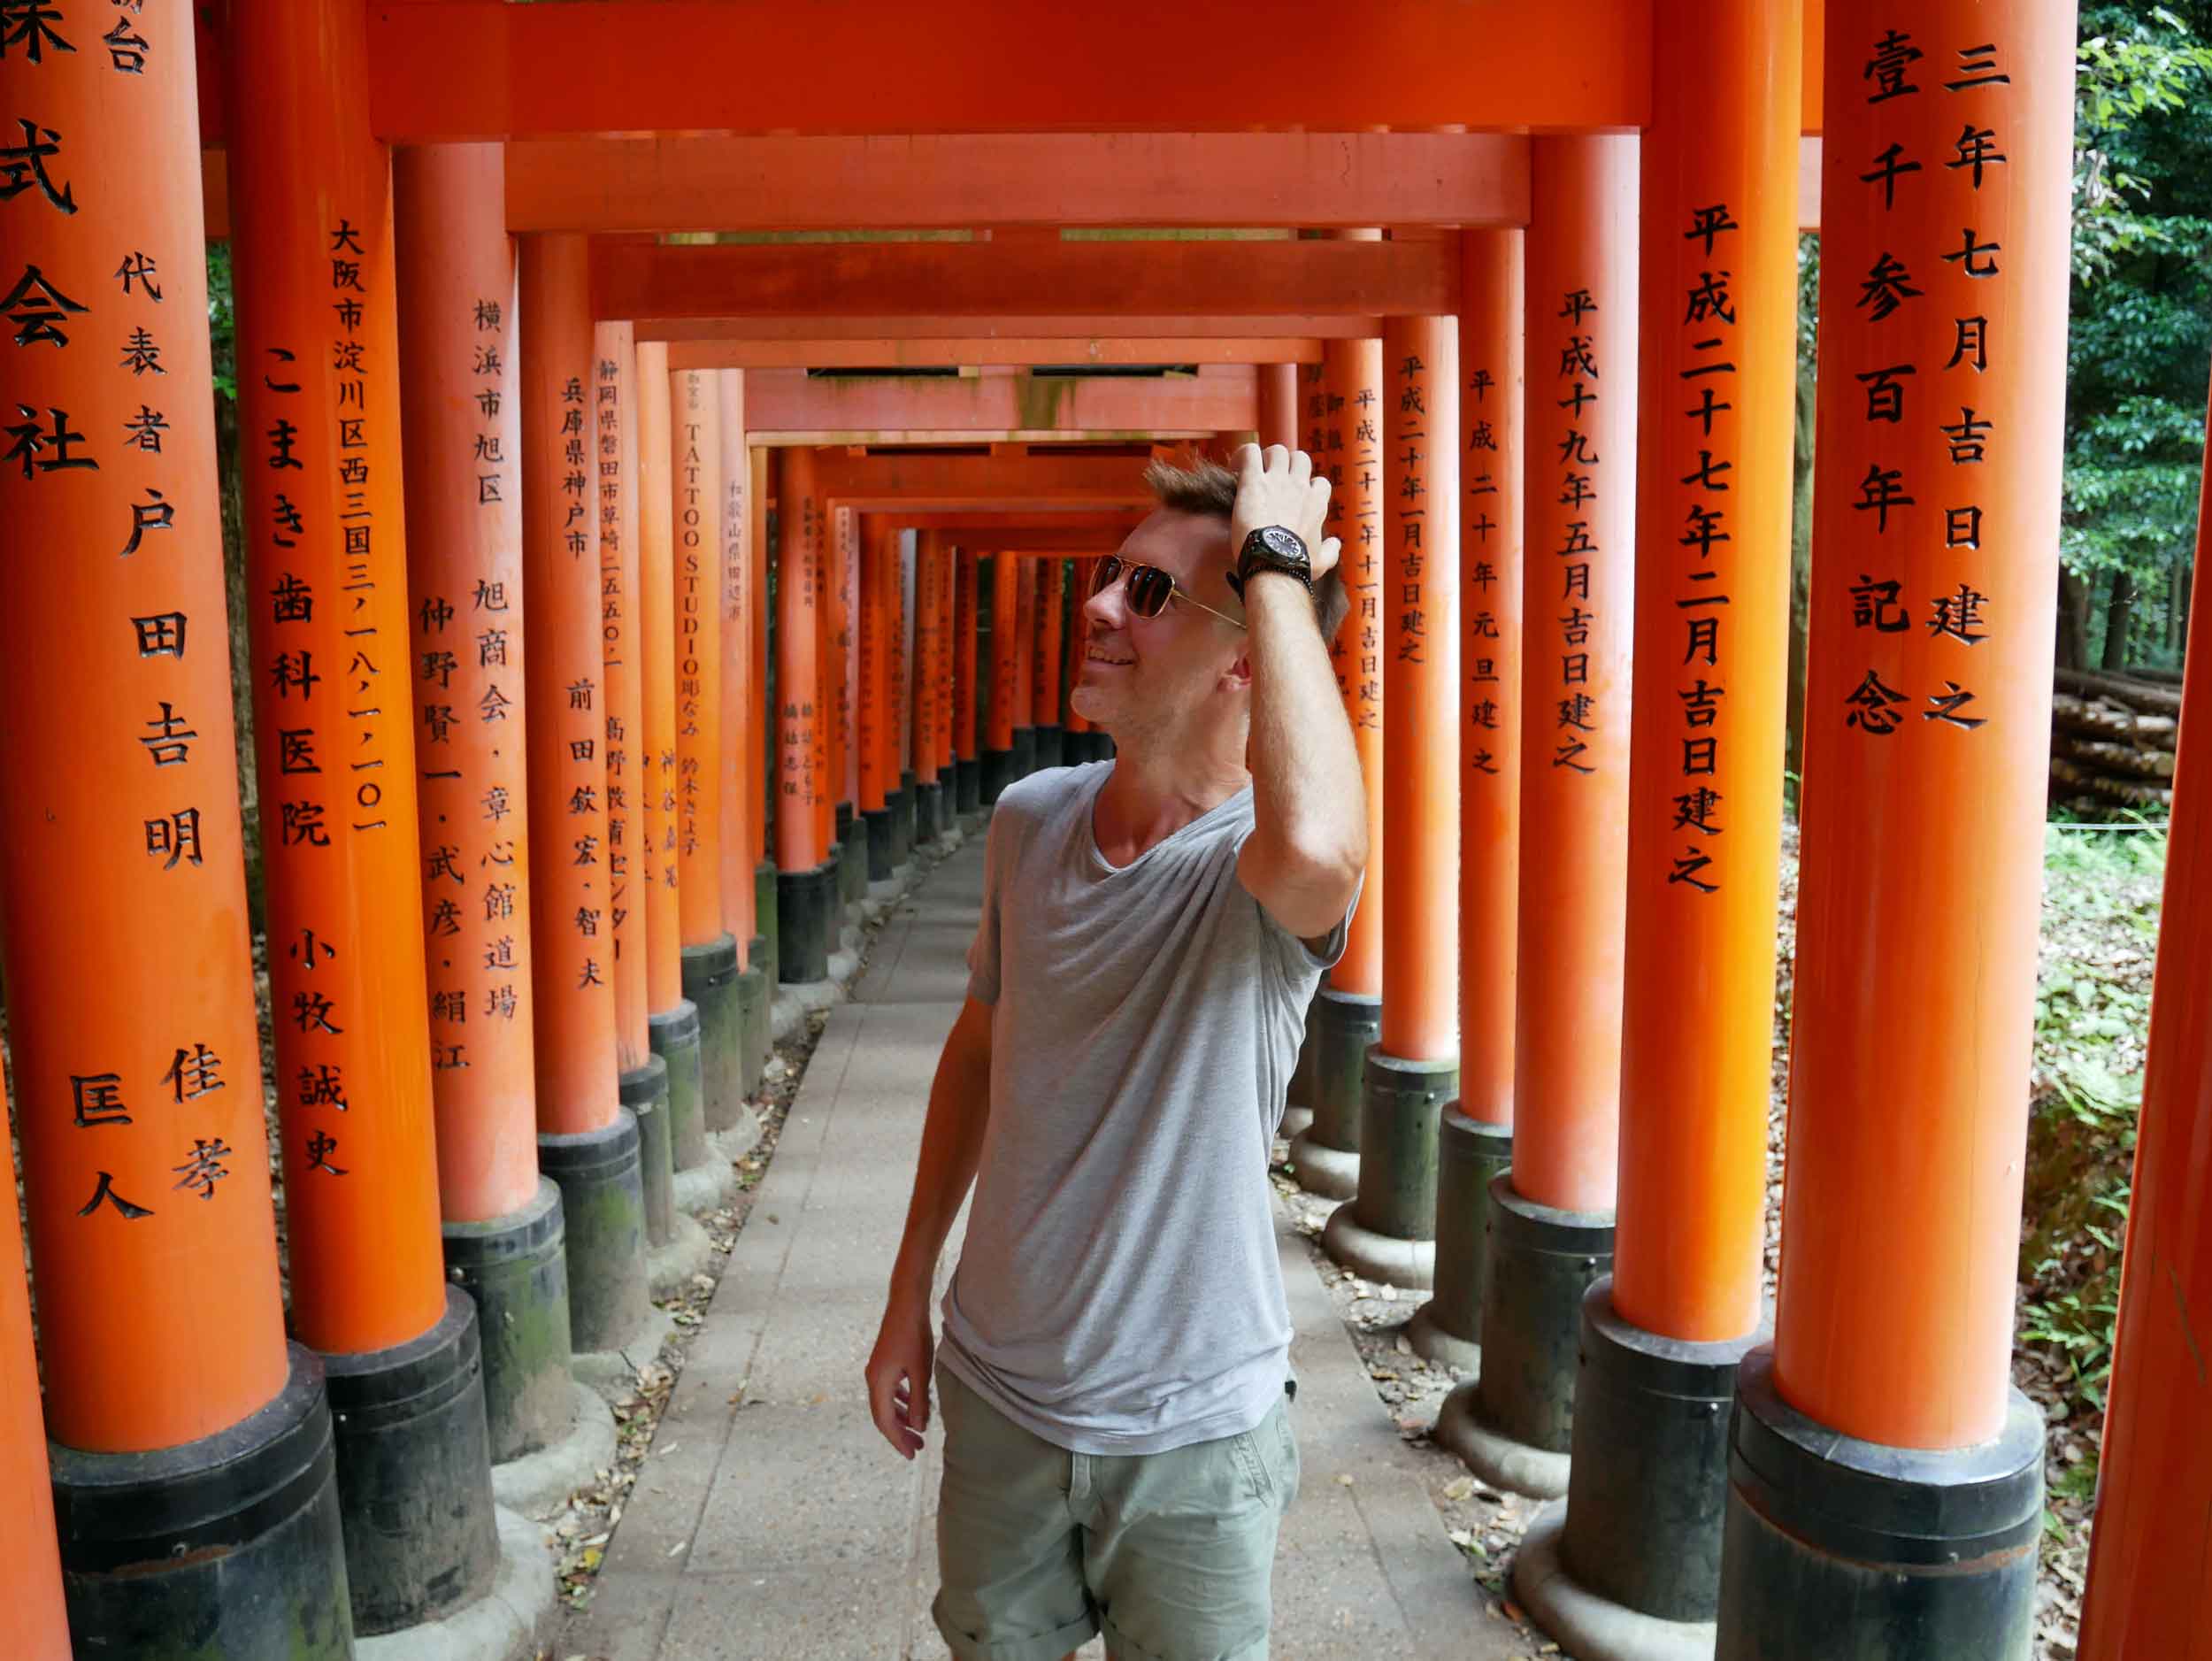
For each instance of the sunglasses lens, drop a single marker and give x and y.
(1148, 590)
(1108, 573)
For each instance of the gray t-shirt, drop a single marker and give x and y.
(1118, 1292)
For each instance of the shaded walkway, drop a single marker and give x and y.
(771, 1521)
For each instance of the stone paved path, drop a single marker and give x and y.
(771, 1521)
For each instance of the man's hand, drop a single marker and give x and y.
(1279, 486)
(898, 1374)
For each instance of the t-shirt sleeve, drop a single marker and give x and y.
(1313, 957)
(983, 951)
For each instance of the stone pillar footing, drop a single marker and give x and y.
(877, 822)
(1024, 754)
(673, 1035)
(644, 1091)
(415, 1474)
(899, 805)
(752, 1040)
(1296, 1122)
(710, 973)
(910, 806)
(1837, 1548)
(603, 1198)
(1052, 749)
(1448, 1329)
(968, 784)
(764, 918)
(995, 772)
(929, 812)
(1377, 1257)
(234, 1538)
(1399, 1109)
(671, 1263)
(806, 913)
(538, 1484)
(508, 1623)
(1325, 1160)
(515, 1269)
(1519, 1413)
(1587, 1626)
(1648, 1486)
(852, 865)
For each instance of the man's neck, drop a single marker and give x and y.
(1153, 793)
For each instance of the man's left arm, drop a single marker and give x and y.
(1308, 847)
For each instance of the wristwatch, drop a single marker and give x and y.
(1272, 548)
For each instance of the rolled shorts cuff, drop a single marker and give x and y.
(1122, 1647)
(1043, 1646)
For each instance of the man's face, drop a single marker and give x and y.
(1158, 673)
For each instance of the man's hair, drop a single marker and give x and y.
(1208, 490)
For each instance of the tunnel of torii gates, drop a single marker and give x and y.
(626, 607)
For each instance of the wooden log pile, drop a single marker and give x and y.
(2112, 742)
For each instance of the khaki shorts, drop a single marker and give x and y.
(1169, 1555)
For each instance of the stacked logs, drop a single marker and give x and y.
(2112, 742)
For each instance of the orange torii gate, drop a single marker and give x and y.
(1871, 1412)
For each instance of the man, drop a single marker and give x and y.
(1115, 1368)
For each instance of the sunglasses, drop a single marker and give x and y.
(1150, 588)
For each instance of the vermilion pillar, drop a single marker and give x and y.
(1078, 746)
(710, 949)
(318, 406)
(1550, 1223)
(899, 724)
(948, 568)
(742, 718)
(850, 834)
(673, 1019)
(1944, 183)
(928, 795)
(2155, 1480)
(1045, 700)
(1386, 1230)
(1028, 569)
(127, 953)
(806, 880)
(998, 734)
(967, 757)
(1475, 1140)
(1278, 404)
(662, 1098)
(588, 1142)
(868, 716)
(1661, 1340)
(826, 657)
(38, 1621)
(462, 448)
(1344, 432)
(760, 736)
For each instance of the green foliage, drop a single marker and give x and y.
(2141, 328)
(222, 321)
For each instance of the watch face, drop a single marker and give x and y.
(1284, 545)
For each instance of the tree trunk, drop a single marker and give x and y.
(2119, 610)
(2073, 621)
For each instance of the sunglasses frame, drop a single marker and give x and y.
(1113, 568)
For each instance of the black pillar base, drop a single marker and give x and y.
(1448, 1327)
(994, 770)
(1386, 1231)
(227, 1546)
(1052, 749)
(1298, 1098)
(929, 812)
(1648, 1486)
(603, 1199)
(515, 1269)
(1836, 1548)
(1517, 1428)
(644, 1091)
(909, 808)
(761, 961)
(968, 784)
(674, 1036)
(877, 822)
(1326, 1159)
(754, 1038)
(899, 807)
(807, 912)
(852, 856)
(415, 1475)
(710, 982)
(1024, 753)
(765, 916)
